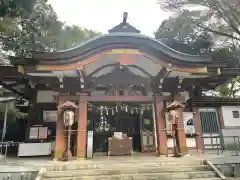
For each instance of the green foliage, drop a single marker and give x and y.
(36, 28)
(183, 33)
(180, 34)
(12, 113)
(230, 89)
(14, 8)
(221, 17)
(70, 36)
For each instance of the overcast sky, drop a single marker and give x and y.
(102, 15)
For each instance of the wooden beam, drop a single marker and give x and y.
(119, 98)
(177, 97)
(130, 98)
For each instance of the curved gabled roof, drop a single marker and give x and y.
(123, 36)
(119, 40)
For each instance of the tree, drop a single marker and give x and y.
(38, 29)
(28, 29)
(10, 11)
(181, 34)
(14, 8)
(178, 33)
(229, 89)
(221, 17)
(71, 36)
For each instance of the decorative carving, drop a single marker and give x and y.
(174, 105)
(68, 105)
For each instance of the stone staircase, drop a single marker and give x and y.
(162, 169)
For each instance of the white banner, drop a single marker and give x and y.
(188, 123)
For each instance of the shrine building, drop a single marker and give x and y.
(118, 84)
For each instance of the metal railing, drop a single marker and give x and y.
(4, 147)
(221, 147)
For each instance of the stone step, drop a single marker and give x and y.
(150, 176)
(125, 170)
(97, 165)
(143, 178)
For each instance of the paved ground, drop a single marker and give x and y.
(23, 166)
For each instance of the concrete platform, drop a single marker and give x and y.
(29, 166)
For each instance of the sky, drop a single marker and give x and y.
(101, 15)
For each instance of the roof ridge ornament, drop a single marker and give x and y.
(124, 26)
(125, 16)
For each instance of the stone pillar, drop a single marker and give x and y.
(160, 126)
(82, 127)
(181, 132)
(199, 140)
(60, 134)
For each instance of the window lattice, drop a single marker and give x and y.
(235, 114)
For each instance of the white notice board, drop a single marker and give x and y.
(33, 134)
(34, 149)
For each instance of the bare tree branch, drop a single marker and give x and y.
(218, 32)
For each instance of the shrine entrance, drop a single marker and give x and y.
(112, 121)
(107, 78)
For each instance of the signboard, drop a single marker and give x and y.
(33, 134)
(50, 116)
(38, 133)
(118, 135)
(43, 132)
(89, 144)
(189, 127)
(147, 124)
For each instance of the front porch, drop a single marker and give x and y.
(152, 135)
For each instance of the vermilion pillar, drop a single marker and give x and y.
(199, 140)
(82, 127)
(60, 135)
(181, 132)
(160, 126)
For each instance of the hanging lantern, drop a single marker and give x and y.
(122, 108)
(126, 108)
(101, 112)
(68, 118)
(106, 108)
(136, 110)
(148, 107)
(132, 111)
